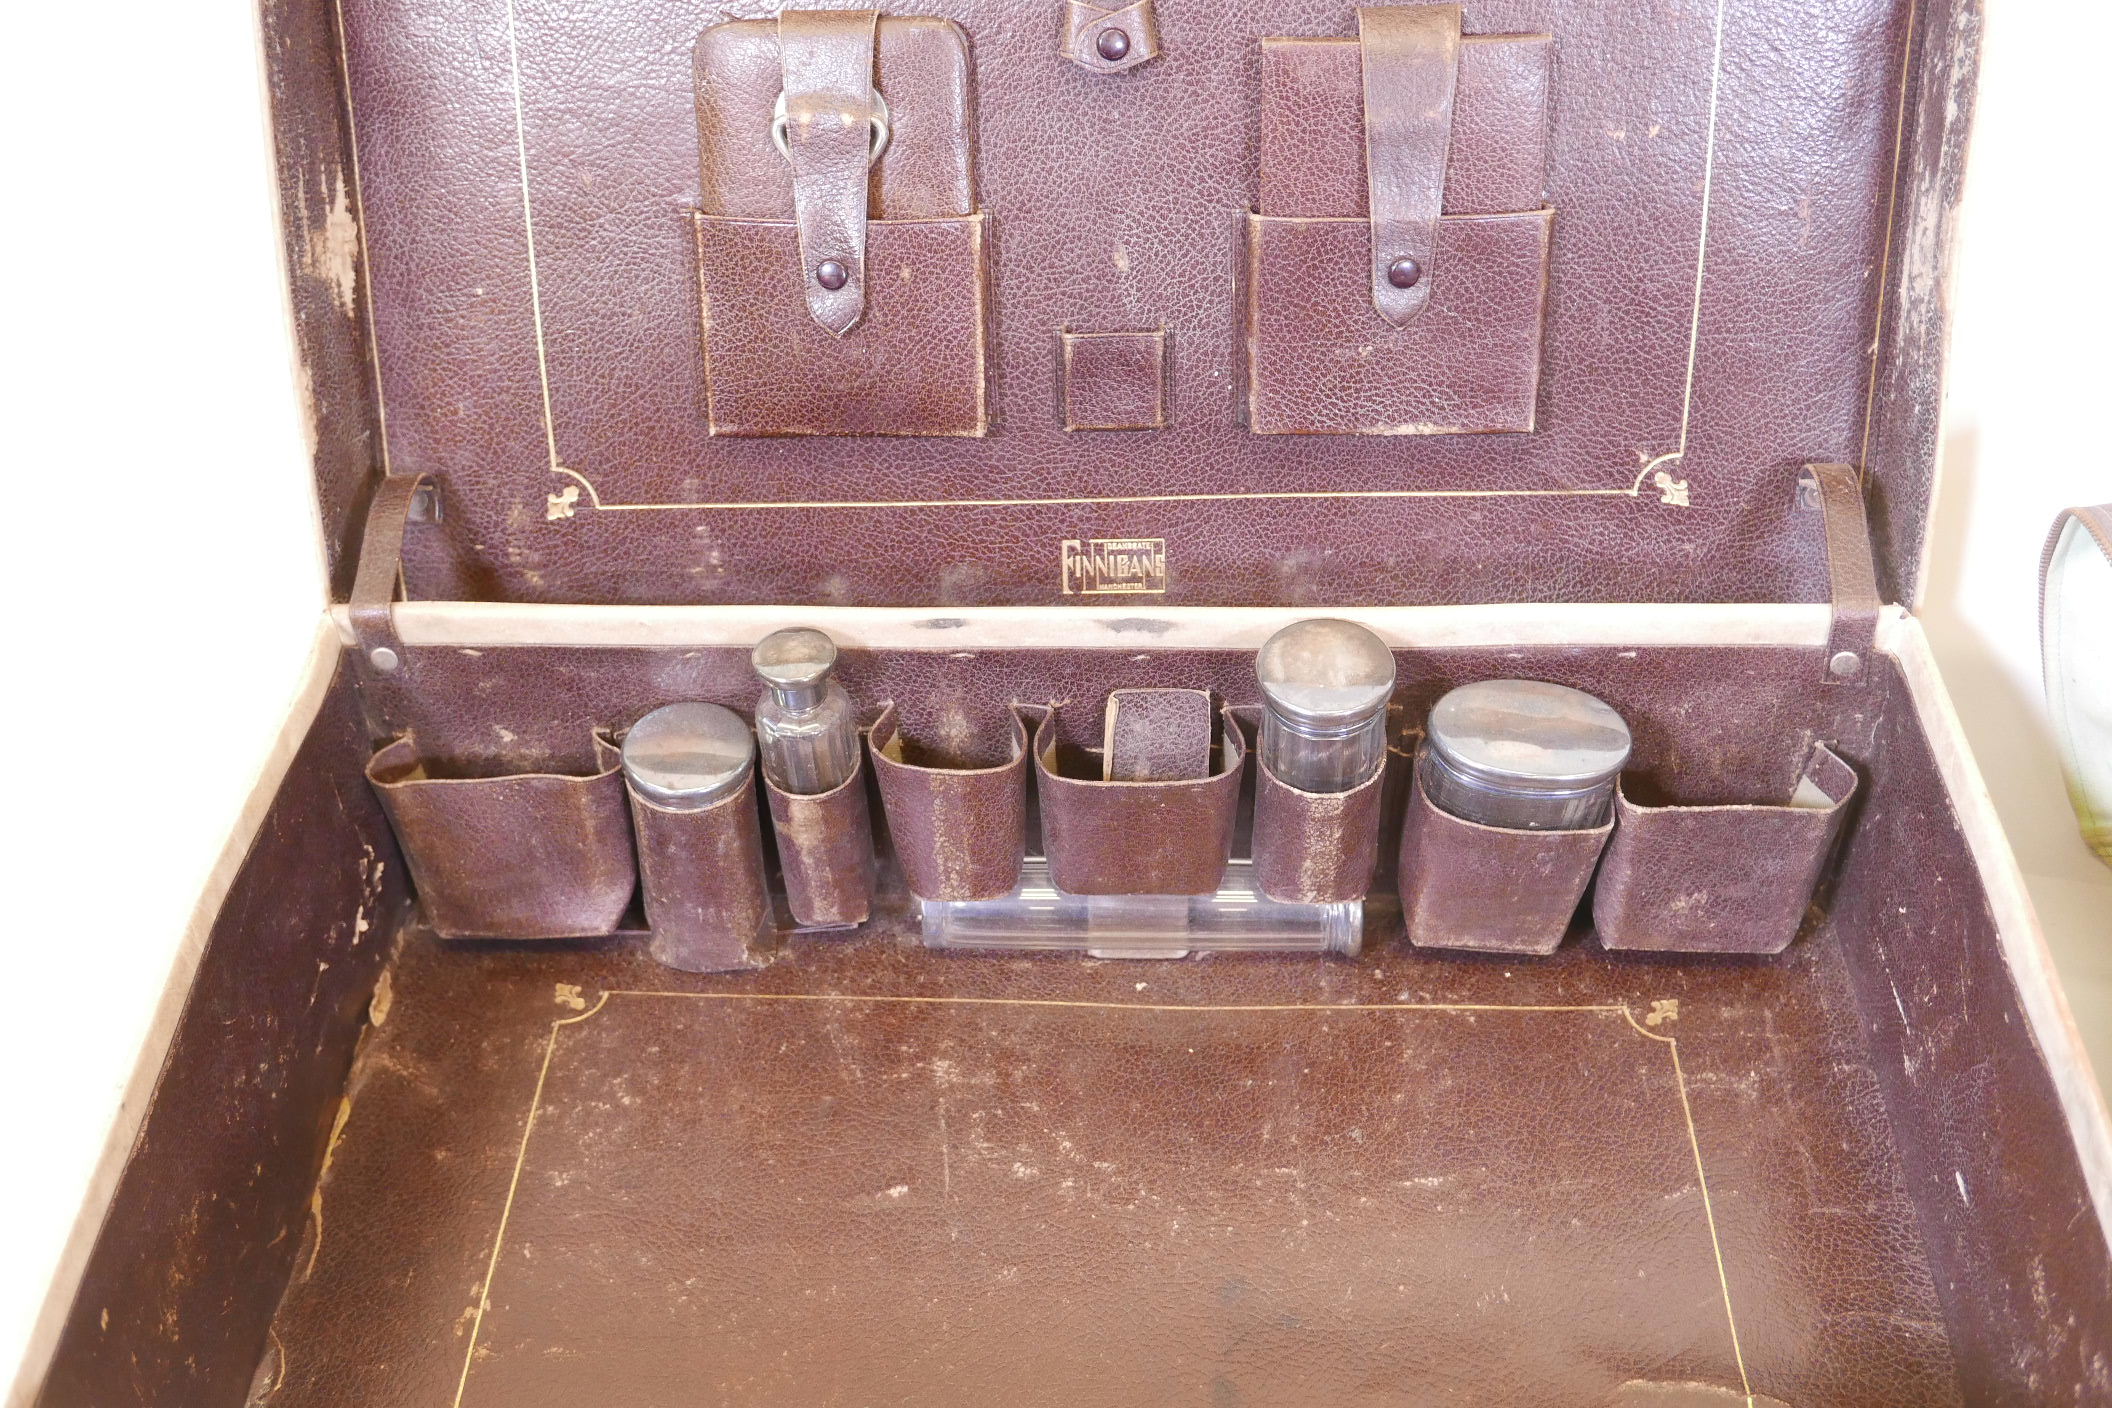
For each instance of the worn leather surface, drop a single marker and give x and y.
(920, 64)
(373, 610)
(831, 130)
(1310, 150)
(913, 366)
(992, 1194)
(1719, 879)
(1315, 847)
(1850, 568)
(1118, 204)
(212, 1212)
(956, 823)
(825, 851)
(1157, 735)
(1110, 837)
(1410, 69)
(518, 854)
(1490, 888)
(1114, 380)
(1086, 25)
(1320, 362)
(707, 900)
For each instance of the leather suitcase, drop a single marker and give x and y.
(1574, 341)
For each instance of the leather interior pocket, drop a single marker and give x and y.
(707, 901)
(957, 832)
(840, 249)
(825, 850)
(1320, 361)
(519, 856)
(1136, 838)
(1720, 879)
(912, 366)
(1468, 886)
(1316, 847)
(1397, 258)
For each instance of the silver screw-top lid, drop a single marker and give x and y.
(795, 663)
(1528, 736)
(1325, 674)
(686, 756)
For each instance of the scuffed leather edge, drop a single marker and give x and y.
(825, 851)
(956, 833)
(1316, 847)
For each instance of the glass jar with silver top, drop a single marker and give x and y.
(1325, 685)
(807, 724)
(1523, 754)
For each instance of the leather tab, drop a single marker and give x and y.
(1851, 568)
(1110, 38)
(1411, 69)
(830, 110)
(372, 607)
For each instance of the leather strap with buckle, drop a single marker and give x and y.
(831, 125)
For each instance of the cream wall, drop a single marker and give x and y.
(163, 584)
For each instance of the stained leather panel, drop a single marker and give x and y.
(1119, 202)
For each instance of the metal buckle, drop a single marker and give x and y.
(882, 125)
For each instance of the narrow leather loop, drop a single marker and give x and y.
(1411, 67)
(1084, 23)
(827, 62)
(372, 608)
(1852, 571)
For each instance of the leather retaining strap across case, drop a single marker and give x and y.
(2075, 622)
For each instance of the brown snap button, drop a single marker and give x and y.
(1404, 273)
(1112, 44)
(831, 275)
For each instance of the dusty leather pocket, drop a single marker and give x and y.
(1491, 888)
(1316, 847)
(518, 856)
(958, 832)
(1720, 879)
(912, 366)
(1136, 838)
(707, 901)
(1320, 361)
(825, 851)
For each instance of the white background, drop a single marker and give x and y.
(163, 580)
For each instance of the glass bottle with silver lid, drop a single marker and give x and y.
(807, 725)
(685, 757)
(1325, 685)
(1523, 754)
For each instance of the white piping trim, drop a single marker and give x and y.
(1132, 626)
(2017, 927)
(139, 1090)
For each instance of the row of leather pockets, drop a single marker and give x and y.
(1318, 360)
(960, 833)
(1670, 878)
(554, 855)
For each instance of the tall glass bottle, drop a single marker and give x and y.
(805, 722)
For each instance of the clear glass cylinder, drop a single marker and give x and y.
(812, 749)
(1238, 917)
(1322, 760)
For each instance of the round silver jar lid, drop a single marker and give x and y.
(1527, 735)
(795, 663)
(1325, 673)
(686, 756)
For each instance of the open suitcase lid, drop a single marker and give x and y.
(495, 277)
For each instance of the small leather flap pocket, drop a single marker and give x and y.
(957, 832)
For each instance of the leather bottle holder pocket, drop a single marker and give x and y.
(1720, 879)
(1397, 260)
(1136, 838)
(520, 856)
(707, 900)
(840, 254)
(1468, 886)
(825, 851)
(957, 831)
(1316, 847)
